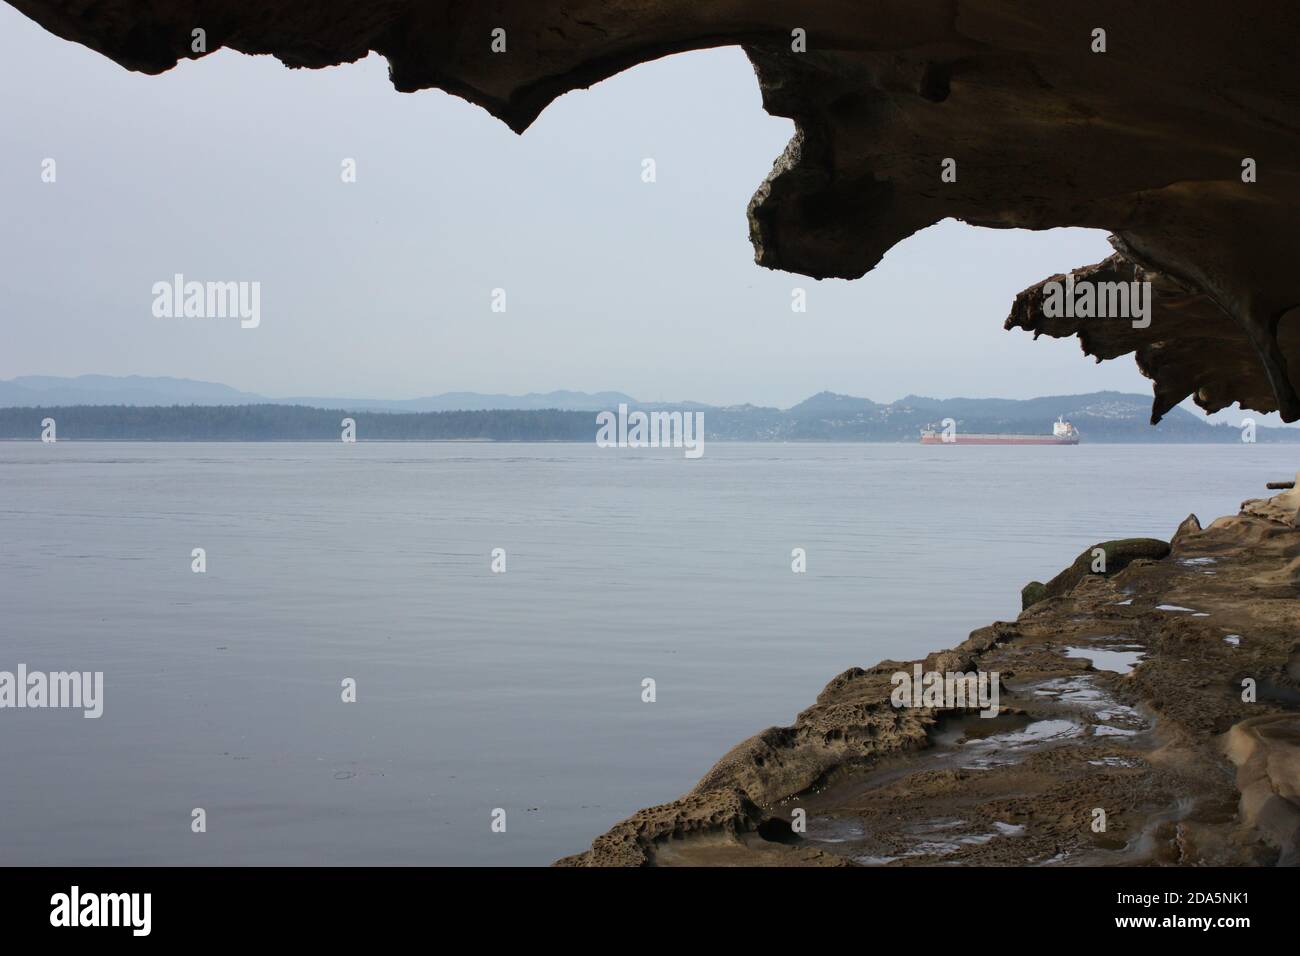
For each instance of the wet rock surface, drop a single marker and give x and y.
(1125, 694)
(1146, 135)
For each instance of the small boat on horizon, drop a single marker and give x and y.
(1063, 433)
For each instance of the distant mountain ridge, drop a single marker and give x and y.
(32, 390)
(115, 390)
(1100, 416)
(181, 409)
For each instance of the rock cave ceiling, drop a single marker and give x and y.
(1151, 139)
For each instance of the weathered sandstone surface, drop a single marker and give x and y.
(1121, 692)
(1146, 139)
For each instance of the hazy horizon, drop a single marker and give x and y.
(561, 389)
(1232, 415)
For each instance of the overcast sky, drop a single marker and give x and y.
(228, 168)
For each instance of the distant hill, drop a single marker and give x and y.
(1099, 416)
(472, 401)
(167, 409)
(831, 404)
(114, 390)
(33, 390)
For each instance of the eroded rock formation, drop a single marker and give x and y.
(1146, 139)
(1188, 348)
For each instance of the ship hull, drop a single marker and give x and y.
(997, 440)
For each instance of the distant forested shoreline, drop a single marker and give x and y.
(289, 423)
(823, 418)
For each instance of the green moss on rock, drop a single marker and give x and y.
(1119, 554)
(1031, 594)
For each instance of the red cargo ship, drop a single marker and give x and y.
(1063, 433)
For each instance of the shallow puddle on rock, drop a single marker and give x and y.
(1108, 716)
(1124, 762)
(1105, 730)
(1010, 747)
(827, 829)
(1118, 714)
(1121, 660)
(1074, 690)
(936, 838)
(1174, 607)
(955, 731)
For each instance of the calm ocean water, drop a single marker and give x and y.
(478, 690)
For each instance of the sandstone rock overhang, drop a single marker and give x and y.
(1146, 139)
